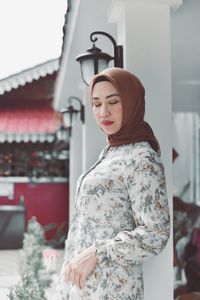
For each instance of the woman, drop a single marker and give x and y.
(121, 216)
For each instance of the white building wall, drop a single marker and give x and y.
(87, 141)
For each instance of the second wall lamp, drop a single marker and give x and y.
(70, 113)
(94, 60)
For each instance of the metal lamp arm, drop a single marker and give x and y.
(105, 34)
(118, 50)
(74, 97)
(82, 109)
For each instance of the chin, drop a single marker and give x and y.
(109, 132)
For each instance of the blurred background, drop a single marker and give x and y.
(43, 151)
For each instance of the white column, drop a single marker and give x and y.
(75, 167)
(93, 139)
(144, 32)
(85, 145)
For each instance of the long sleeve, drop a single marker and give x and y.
(145, 183)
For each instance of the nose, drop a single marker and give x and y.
(104, 111)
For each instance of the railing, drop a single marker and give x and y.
(33, 179)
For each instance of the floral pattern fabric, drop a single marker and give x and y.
(121, 207)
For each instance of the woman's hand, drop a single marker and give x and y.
(81, 266)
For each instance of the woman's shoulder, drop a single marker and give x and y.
(139, 150)
(141, 154)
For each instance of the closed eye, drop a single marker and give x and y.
(114, 102)
(96, 104)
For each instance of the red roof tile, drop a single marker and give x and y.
(36, 120)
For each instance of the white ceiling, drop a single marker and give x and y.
(185, 29)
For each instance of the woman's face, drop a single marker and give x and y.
(107, 107)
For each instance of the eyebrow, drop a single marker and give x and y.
(107, 97)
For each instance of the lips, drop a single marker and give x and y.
(107, 123)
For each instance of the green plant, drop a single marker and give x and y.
(28, 288)
(34, 280)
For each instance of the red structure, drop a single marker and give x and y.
(47, 201)
(23, 119)
(34, 150)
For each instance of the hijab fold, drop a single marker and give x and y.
(132, 94)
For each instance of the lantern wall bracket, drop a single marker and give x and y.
(118, 49)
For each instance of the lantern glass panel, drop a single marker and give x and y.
(69, 119)
(88, 71)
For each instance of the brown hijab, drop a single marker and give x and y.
(131, 91)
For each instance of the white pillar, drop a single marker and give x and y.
(75, 167)
(85, 145)
(93, 139)
(144, 32)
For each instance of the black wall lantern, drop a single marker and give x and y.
(94, 60)
(70, 113)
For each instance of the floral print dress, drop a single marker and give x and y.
(121, 207)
